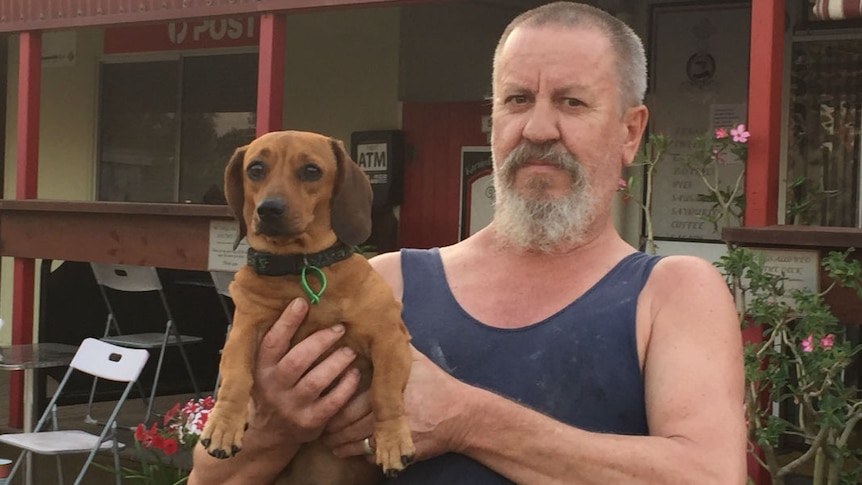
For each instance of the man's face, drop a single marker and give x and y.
(556, 90)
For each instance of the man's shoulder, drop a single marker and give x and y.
(685, 266)
(689, 284)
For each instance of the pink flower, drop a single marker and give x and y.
(808, 344)
(827, 341)
(622, 184)
(720, 133)
(716, 155)
(739, 134)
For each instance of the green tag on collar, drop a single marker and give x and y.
(314, 297)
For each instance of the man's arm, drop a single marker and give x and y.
(693, 380)
(292, 411)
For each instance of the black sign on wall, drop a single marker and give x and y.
(380, 154)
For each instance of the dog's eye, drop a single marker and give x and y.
(256, 170)
(310, 173)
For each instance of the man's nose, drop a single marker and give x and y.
(542, 125)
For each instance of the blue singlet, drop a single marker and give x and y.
(579, 366)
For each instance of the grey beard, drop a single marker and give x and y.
(533, 222)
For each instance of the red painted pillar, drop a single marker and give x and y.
(764, 112)
(26, 181)
(270, 73)
(764, 122)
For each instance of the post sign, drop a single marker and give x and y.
(182, 35)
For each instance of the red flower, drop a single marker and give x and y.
(158, 441)
(140, 433)
(170, 414)
(170, 446)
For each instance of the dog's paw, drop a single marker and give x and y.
(394, 446)
(222, 435)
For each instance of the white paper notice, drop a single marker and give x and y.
(222, 256)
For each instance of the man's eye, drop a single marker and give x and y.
(310, 173)
(573, 102)
(256, 170)
(517, 99)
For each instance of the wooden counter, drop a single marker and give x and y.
(145, 234)
(809, 237)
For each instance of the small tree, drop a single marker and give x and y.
(649, 157)
(799, 364)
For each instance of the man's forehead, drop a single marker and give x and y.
(579, 49)
(556, 35)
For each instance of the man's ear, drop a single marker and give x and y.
(634, 122)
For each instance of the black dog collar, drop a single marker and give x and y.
(269, 264)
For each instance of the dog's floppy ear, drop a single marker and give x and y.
(233, 190)
(351, 199)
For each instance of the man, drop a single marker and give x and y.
(560, 354)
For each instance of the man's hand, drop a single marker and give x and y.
(287, 408)
(433, 401)
(287, 390)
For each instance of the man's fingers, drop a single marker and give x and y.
(356, 409)
(329, 404)
(326, 372)
(277, 340)
(352, 433)
(302, 355)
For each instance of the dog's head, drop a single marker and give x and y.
(291, 191)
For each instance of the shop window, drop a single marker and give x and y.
(167, 128)
(824, 147)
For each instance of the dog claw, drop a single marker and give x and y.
(391, 473)
(205, 442)
(234, 449)
(220, 454)
(406, 459)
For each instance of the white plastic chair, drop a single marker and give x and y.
(221, 281)
(99, 359)
(127, 278)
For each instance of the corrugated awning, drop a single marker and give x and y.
(838, 9)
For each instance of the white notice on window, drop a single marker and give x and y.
(222, 256)
(726, 115)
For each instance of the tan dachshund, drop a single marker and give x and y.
(303, 205)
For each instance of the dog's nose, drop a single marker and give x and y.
(269, 209)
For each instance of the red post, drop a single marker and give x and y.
(764, 122)
(270, 73)
(26, 180)
(764, 112)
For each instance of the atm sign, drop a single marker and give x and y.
(371, 157)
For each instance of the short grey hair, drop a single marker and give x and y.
(627, 46)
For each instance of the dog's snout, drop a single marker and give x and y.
(269, 209)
